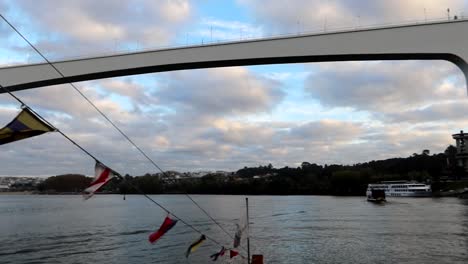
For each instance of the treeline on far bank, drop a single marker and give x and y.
(306, 179)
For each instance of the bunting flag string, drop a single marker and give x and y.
(166, 226)
(97, 184)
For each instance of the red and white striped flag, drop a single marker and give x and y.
(102, 176)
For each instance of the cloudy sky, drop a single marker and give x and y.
(227, 118)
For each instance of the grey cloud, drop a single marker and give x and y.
(63, 98)
(383, 86)
(384, 143)
(195, 137)
(441, 112)
(88, 26)
(197, 147)
(3, 27)
(222, 91)
(176, 141)
(274, 142)
(51, 153)
(89, 130)
(402, 140)
(327, 131)
(41, 156)
(313, 15)
(239, 134)
(138, 94)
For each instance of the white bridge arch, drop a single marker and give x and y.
(446, 40)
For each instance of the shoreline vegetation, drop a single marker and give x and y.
(19, 193)
(439, 170)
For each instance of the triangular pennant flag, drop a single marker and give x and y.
(241, 227)
(166, 226)
(102, 175)
(25, 125)
(233, 253)
(237, 236)
(195, 245)
(215, 256)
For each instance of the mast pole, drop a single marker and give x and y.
(248, 230)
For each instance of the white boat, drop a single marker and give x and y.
(401, 189)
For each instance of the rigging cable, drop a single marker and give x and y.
(108, 119)
(24, 105)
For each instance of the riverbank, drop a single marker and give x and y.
(16, 193)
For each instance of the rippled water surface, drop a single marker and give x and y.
(285, 229)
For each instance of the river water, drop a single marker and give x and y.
(285, 229)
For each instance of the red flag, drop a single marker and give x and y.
(166, 226)
(215, 256)
(102, 175)
(233, 253)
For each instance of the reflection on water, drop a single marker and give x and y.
(285, 229)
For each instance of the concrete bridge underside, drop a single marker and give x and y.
(432, 41)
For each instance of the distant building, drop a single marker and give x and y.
(224, 173)
(199, 174)
(461, 140)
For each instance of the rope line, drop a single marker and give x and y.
(108, 119)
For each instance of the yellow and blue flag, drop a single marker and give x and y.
(195, 245)
(25, 125)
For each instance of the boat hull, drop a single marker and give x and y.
(376, 196)
(373, 200)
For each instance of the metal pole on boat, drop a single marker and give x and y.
(248, 230)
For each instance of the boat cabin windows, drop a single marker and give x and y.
(399, 186)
